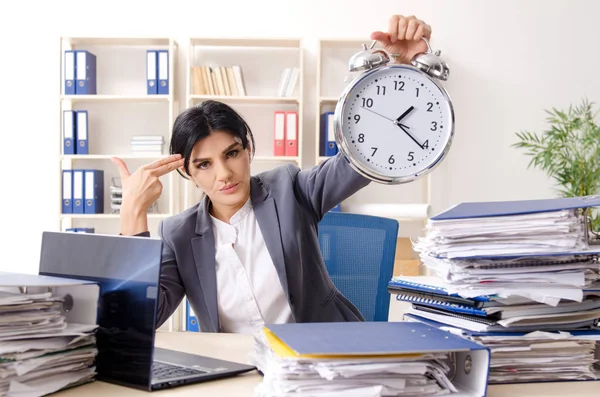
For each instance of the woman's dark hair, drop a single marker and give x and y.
(198, 122)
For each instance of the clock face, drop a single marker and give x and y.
(395, 123)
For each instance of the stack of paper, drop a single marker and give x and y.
(505, 270)
(41, 353)
(364, 359)
(147, 145)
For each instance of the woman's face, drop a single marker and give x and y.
(221, 168)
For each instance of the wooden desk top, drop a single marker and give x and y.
(235, 347)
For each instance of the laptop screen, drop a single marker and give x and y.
(127, 269)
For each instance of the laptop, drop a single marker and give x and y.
(127, 270)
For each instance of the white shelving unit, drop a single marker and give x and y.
(261, 62)
(333, 76)
(120, 109)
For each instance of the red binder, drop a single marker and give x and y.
(279, 138)
(291, 134)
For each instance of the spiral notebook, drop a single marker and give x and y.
(424, 287)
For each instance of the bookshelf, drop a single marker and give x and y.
(332, 77)
(119, 109)
(249, 74)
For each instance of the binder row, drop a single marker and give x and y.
(157, 72)
(328, 144)
(80, 68)
(286, 133)
(80, 73)
(75, 132)
(83, 191)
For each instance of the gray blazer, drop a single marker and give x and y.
(288, 203)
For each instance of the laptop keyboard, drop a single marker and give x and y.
(162, 370)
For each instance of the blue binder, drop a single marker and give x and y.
(384, 339)
(67, 192)
(328, 143)
(85, 71)
(516, 207)
(163, 72)
(69, 132)
(78, 191)
(94, 192)
(190, 318)
(81, 117)
(69, 72)
(151, 72)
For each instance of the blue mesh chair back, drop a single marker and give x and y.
(359, 252)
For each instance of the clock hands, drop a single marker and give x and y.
(398, 123)
(405, 128)
(403, 115)
(402, 127)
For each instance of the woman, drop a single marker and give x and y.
(248, 253)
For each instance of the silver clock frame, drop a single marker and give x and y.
(358, 165)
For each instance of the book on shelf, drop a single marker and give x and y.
(218, 80)
(287, 82)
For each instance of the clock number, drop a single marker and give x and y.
(374, 151)
(433, 126)
(426, 144)
(429, 106)
(399, 85)
(380, 90)
(411, 156)
(391, 160)
(367, 101)
(361, 138)
(356, 118)
(417, 88)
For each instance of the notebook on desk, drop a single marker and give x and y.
(127, 269)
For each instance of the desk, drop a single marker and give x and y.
(235, 347)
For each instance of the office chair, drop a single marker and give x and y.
(359, 252)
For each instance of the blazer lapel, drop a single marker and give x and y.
(203, 248)
(265, 211)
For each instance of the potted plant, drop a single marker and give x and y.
(568, 152)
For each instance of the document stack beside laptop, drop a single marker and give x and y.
(367, 359)
(41, 351)
(517, 276)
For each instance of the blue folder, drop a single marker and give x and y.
(377, 338)
(516, 207)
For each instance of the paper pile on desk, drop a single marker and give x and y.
(39, 352)
(502, 271)
(347, 373)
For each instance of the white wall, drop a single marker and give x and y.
(509, 60)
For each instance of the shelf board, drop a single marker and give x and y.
(109, 156)
(245, 99)
(108, 216)
(276, 158)
(247, 42)
(117, 98)
(328, 99)
(118, 41)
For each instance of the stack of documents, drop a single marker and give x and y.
(367, 359)
(520, 273)
(40, 351)
(508, 228)
(147, 145)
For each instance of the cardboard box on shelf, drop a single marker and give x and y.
(407, 262)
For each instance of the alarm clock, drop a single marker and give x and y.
(395, 122)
